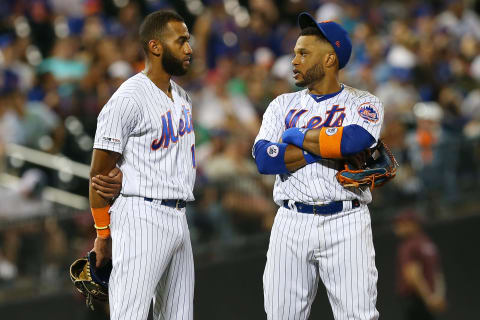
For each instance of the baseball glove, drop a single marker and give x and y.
(378, 169)
(89, 280)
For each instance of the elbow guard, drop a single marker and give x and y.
(270, 157)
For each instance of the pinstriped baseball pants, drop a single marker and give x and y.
(152, 259)
(338, 249)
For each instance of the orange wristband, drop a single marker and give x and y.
(329, 141)
(102, 221)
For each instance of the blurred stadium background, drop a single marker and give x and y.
(60, 61)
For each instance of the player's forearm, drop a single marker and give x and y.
(280, 158)
(96, 201)
(103, 162)
(311, 142)
(331, 143)
(294, 158)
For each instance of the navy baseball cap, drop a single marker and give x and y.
(334, 33)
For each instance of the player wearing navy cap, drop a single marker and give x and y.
(322, 230)
(333, 33)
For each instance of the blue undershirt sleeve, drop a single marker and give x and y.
(355, 139)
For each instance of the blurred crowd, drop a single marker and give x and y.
(61, 60)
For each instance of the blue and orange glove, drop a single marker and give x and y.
(374, 173)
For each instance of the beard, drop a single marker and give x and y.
(315, 73)
(171, 64)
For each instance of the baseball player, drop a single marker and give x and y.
(146, 130)
(322, 230)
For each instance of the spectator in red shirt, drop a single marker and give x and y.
(420, 278)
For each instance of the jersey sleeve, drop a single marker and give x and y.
(369, 115)
(116, 122)
(272, 124)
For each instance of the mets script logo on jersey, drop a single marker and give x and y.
(368, 112)
(334, 118)
(185, 126)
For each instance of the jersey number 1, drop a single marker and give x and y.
(193, 156)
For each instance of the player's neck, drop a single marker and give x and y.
(325, 86)
(159, 77)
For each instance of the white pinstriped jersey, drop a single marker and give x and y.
(155, 137)
(316, 183)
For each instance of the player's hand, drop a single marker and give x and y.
(358, 160)
(108, 187)
(103, 250)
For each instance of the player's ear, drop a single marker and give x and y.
(330, 60)
(155, 47)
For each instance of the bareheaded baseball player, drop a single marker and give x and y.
(322, 230)
(146, 130)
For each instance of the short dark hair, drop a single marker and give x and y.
(154, 24)
(312, 31)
